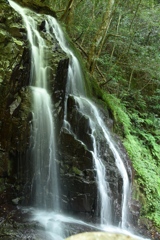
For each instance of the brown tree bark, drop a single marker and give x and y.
(99, 39)
(66, 17)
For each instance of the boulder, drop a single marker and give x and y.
(100, 236)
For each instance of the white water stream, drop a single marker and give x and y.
(75, 87)
(45, 188)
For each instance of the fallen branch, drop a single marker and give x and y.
(78, 37)
(104, 83)
(61, 10)
(101, 74)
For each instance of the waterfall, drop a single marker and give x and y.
(45, 187)
(76, 88)
(44, 190)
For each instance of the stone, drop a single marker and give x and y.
(16, 200)
(59, 87)
(78, 181)
(100, 236)
(14, 105)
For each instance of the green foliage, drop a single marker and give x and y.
(147, 174)
(118, 110)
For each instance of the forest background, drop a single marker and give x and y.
(119, 41)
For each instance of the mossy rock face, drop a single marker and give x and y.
(40, 6)
(40, 3)
(9, 45)
(13, 64)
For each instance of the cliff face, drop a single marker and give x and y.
(14, 91)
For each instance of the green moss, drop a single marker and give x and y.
(147, 177)
(122, 120)
(93, 88)
(76, 171)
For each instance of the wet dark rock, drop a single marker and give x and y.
(15, 224)
(77, 176)
(134, 207)
(42, 26)
(147, 229)
(79, 122)
(21, 73)
(59, 92)
(74, 152)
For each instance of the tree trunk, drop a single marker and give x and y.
(66, 17)
(98, 41)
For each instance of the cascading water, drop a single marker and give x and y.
(75, 87)
(45, 190)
